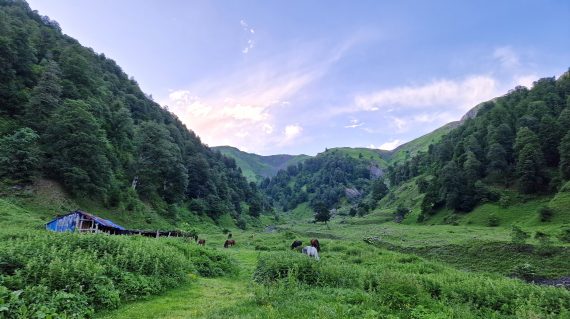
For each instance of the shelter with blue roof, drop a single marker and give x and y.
(83, 222)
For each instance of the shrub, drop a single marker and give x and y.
(518, 236)
(564, 235)
(505, 201)
(524, 271)
(545, 213)
(241, 223)
(493, 221)
(274, 267)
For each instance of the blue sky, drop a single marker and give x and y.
(299, 76)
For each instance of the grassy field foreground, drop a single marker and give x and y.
(352, 280)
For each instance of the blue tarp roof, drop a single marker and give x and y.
(101, 221)
(67, 222)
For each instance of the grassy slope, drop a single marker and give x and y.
(419, 144)
(374, 155)
(255, 167)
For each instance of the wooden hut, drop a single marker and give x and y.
(83, 222)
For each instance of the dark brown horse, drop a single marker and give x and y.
(202, 242)
(315, 243)
(229, 243)
(296, 243)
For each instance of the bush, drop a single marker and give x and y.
(493, 221)
(518, 236)
(524, 271)
(241, 223)
(545, 213)
(273, 267)
(564, 235)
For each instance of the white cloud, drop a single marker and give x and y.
(463, 94)
(525, 80)
(354, 123)
(292, 131)
(250, 32)
(507, 57)
(388, 146)
(245, 108)
(250, 45)
(267, 128)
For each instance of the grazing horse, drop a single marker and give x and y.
(315, 243)
(296, 243)
(311, 252)
(229, 243)
(202, 242)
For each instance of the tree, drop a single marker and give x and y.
(564, 149)
(76, 150)
(322, 213)
(472, 167)
(379, 189)
(549, 136)
(255, 209)
(564, 117)
(497, 159)
(529, 162)
(44, 98)
(20, 156)
(159, 165)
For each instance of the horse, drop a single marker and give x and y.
(229, 243)
(296, 243)
(315, 243)
(202, 242)
(311, 252)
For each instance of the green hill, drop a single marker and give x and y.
(420, 144)
(256, 167)
(375, 156)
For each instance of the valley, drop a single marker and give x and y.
(471, 220)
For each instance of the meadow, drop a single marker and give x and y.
(370, 267)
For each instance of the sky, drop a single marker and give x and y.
(298, 76)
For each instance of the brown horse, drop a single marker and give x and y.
(315, 243)
(202, 242)
(229, 243)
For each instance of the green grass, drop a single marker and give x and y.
(420, 144)
(467, 264)
(373, 155)
(199, 299)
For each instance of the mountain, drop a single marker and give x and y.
(71, 115)
(257, 167)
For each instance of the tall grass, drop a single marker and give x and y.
(54, 275)
(384, 284)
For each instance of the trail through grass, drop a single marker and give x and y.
(199, 299)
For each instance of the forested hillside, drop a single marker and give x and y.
(519, 141)
(326, 180)
(72, 115)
